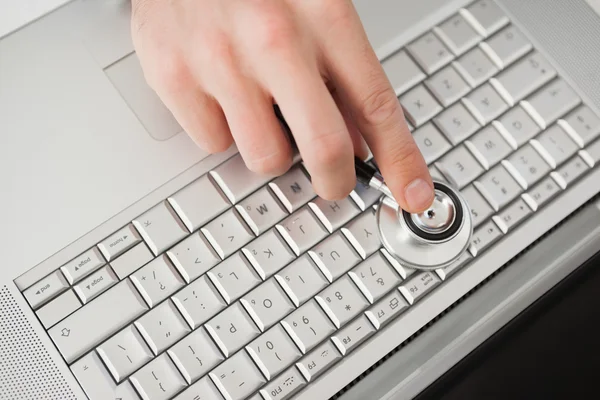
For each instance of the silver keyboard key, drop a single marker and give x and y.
(204, 389)
(95, 284)
(58, 309)
(285, 386)
(431, 142)
(430, 52)
(551, 102)
(158, 380)
(334, 214)
(334, 256)
(507, 46)
(512, 215)
(198, 203)
(583, 125)
(160, 227)
(419, 105)
(302, 230)
(460, 167)
(124, 353)
(483, 237)
(365, 196)
(237, 377)
(447, 86)
(87, 327)
(162, 327)
(387, 309)
(293, 189)
(301, 280)
(236, 180)
(119, 242)
(83, 265)
(555, 145)
(157, 280)
(195, 355)
(475, 67)
(523, 78)
(193, 256)
(436, 174)
(362, 233)
(519, 125)
(529, 165)
(457, 123)
(273, 351)
(261, 211)
(132, 260)
(232, 329)
(375, 277)
(227, 233)
(570, 171)
(353, 335)
(267, 304)
(308, 326)
(488, 16)
(199, 301)
(489, 146)
(446, 272)
(457, 34)
(97, 383)
(419, 285)
(234, 277)
(480, 209)
(402, 72)
(485, 103)
(498, 187)
(342, 301)
(593, 151)
(319, 360)
(46, 289)
(542, 193)
(268, 253)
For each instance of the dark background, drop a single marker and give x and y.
(550, 351)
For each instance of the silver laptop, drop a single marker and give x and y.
(134, 266)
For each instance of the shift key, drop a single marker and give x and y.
(89, 326)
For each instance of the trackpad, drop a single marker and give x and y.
(127, 77)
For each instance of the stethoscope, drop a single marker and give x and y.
(432, 239)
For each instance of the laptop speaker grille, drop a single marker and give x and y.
(27, 372)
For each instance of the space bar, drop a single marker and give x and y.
(99, 319)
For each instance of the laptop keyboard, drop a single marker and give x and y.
(243, 287)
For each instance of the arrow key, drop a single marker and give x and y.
(46, 289)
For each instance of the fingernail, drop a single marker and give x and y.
(418, 195)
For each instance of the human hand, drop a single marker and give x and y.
(220, 66)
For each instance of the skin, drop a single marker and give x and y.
(221, 65)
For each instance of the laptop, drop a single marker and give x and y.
(135, 266)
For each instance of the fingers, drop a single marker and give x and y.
(358, 142)
(365, 89)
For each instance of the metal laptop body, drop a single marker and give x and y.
(86, 148)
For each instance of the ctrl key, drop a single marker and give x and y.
(284, 386)
(97, 382)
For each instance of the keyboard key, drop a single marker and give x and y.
(457, 123)
(402, 72)
(483, 237)
(267, 304)
(485, 104)
(334, 256)
(284, 386)
(570, 171)
(551, 102)
(507, 46)
(460, 167)
(446, 272)
(119, 242)
(273, 351)
(555, 145)
(232, 329)
(319, 360)
(475, 67)
(160, 227)
(429, 52)
(584, 125)
(480, 209)
(362, 234)
(375, 277)
(46, 289)
(308, 326)
(261, 211)
(498, 187)
(488, 16)
(293, 189)
(268, 254)
(198, 203)
(199, 301)
(237, 377)
(353, 335)
(234, 277)
(387, 309)
(419, 105)
(204, 389)
(83, 265)
(489, 146)
(301, 280)
(593, 151)
(431, 142)
(124, 353)
(132, 260)
(419, 285)
(158, 380)
(519, 125)
(447, 86)
(334, 214)
(193, 256)
(529, 165)
(97, 383)
(512, 216)
(523, 78)
(157, 280)
(542, 193)
(87, 327)
(342, 301)
(227, 233)
(58, 309)
(301, 230)
(236, 180)
(457, 34)
(95, 284)
(365, 196)
(162, 327)
(195, 355)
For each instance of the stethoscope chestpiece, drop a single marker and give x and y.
(429, 240)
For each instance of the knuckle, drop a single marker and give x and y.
(218, 49)
(405, 157)
(275, 32)
(380, 105)
(170, 72)
(330, 152)
(276, 163)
